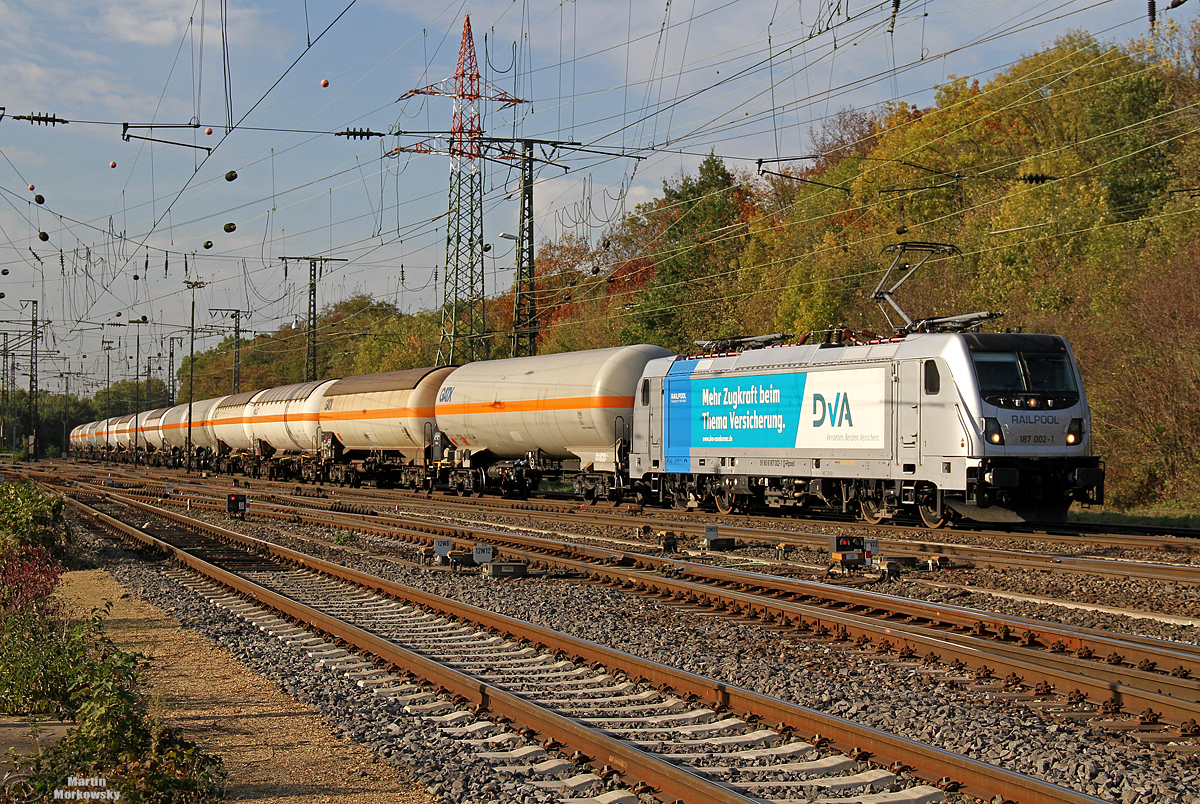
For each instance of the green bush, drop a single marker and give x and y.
(75, 672)
(71, 671)
(31, 517)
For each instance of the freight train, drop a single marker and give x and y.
(936, 425)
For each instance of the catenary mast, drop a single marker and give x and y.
(464, 330)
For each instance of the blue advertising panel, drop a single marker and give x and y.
(739, 414)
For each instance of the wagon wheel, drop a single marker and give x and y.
(679, 498)
(927, 506)
(641, 494)
(480, 483)
(869, 511)
(460, 488)
(615, 496)
(725, 499)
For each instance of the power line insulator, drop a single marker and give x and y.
(1036, 178)
(41, 119)
(358, 134)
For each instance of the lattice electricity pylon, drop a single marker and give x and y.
(464, 331)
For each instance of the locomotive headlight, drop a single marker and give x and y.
(992, 432)
(1075, 431)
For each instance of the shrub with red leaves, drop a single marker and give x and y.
(27, 577)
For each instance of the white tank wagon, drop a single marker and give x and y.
(285, 419)
(507, 423)
(175, 430)
(138, 428)
(77, 440)
(236, 447)
(151, 426)
(105, 434)
(381, 425)
(122, 432)
(174, 427)
(90, 435)
(203, 435)
(231, 423)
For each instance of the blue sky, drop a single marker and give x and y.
(665, 82)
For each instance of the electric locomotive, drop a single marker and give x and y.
(988, 427)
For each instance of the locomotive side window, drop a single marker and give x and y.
(933, 380)
(645, 392)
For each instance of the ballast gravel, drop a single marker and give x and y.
(448, 770)
(860, 687)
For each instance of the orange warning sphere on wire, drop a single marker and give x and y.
(112, 164)
(208, 131)
(324, 82)
(31, 187)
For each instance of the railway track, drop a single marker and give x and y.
(899, 545)
(1094, 671)
(658, 729)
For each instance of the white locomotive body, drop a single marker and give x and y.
(875, 428)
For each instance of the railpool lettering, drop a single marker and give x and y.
(1034, 418)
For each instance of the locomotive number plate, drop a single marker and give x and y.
(1036, 439)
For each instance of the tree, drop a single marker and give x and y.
(701, 226)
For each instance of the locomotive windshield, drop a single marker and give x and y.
(1005, 375)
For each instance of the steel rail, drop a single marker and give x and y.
(907, 548)
(992, 637)
(978, 778)
(672, 781)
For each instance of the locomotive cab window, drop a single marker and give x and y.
(1017, 379)
(645, 392)
(933, 380)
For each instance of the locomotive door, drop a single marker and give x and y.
(908, 417)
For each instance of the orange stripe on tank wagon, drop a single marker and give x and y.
(375, 413)
(528, 405)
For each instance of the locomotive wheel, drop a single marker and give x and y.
(870, 513)
(679, 499)
(930, 515)
(725, 499)
(615, 496)
(641, 494)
